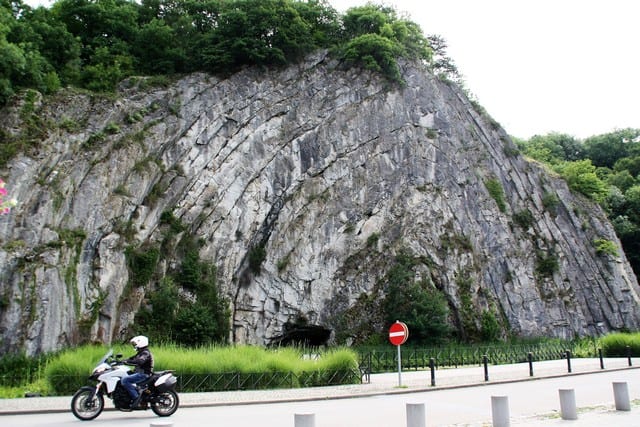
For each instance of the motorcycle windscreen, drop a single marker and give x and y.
(106, 356)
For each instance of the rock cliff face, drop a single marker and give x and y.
(330, 172)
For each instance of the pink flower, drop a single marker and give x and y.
(5, 205)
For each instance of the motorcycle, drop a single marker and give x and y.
(158, 391)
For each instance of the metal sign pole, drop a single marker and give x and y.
(399, 368)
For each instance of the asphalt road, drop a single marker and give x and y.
(531, 403)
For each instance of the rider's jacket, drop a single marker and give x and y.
(143, 361)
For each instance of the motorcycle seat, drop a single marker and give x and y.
(153, 377)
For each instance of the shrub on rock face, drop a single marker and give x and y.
(419, 304)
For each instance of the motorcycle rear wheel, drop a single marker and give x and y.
(165, 404)
(84, 407)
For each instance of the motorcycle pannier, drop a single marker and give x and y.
(165, 383)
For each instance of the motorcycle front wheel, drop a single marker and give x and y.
(165, 404)
(84, 407)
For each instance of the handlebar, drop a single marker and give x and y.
(115, 361)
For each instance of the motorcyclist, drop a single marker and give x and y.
(143, 362)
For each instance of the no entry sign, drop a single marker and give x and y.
(398, 333)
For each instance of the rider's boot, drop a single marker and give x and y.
(136, 402)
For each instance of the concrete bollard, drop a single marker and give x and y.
(500, 411)
(304, 420)
(568, 409)
(621, 396)
(161, 424)
(416, 415)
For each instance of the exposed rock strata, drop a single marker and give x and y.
(308, 162)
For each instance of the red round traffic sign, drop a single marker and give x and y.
(398, 333)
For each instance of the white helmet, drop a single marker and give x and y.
(139, 342)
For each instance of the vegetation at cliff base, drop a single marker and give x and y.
(65, 372)
(419, 303)
(203, 368)
(620, 344)
(184, 306)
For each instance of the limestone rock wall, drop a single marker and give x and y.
(319, 166)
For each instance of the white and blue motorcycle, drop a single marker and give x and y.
(158, 391)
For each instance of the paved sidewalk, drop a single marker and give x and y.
(393, 384)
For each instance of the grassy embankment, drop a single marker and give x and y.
(63, 373)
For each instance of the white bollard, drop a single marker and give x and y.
(304, 420)
(500, 411)
(161, 424)
(621, 396)
(416, 415)
(568, 404)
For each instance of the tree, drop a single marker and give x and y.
(490, 328)
(553, 148)
(632, 198)
(142, 263)
(409, 35)
(12, 60)
(156, 319)
(605, 150)
(374, 53)
(581, 177)
(622, 179)
(29, 50)
(322, 18)
(284, 29)
(368, 19)
(375, 38)
(51, 39)
(442, 65)
(628, 231)
(156, 49)
(417, 303)
(185, 307)
(571, 148)
(195, 325)
(605, 168)
(107, 30)
(97, 43)
(255, 32)
(106, 70)
(110, 24)
(630, 164)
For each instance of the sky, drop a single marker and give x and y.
(538, 66)
(541, 66)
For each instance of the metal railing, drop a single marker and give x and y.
(372, 360)
(415, 358)
(265, 380)
(226, 381)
